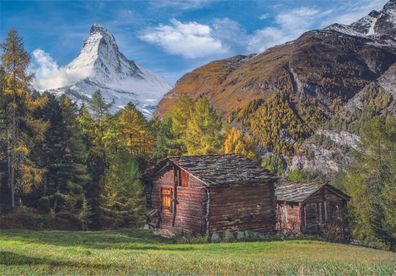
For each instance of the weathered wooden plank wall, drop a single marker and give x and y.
(288, 217)
(190, 204)
(242, 207)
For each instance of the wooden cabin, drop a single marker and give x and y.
(212, 193)
(311, 208)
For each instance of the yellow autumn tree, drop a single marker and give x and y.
(22, 129)
(237, 143)
(203, 132)
(133, 131)
(179, 116)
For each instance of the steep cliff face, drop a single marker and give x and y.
(329, 65)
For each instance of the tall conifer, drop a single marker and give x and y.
(22, 129)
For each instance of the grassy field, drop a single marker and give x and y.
(139, 252)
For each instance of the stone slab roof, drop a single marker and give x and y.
(299, 192)
(296, 192)
(223, 169)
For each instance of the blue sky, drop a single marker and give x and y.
(172, 37)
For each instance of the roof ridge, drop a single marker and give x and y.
(206, 155)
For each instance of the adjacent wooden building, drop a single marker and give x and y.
(311, 208)
(212, 193)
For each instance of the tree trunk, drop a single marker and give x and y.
(8, 156)
(13, 142)
(55, 206)
(13, 155)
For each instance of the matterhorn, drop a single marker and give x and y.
(101, 66)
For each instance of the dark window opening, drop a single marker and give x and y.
(181, 178)
(311, 214)
(332, 211)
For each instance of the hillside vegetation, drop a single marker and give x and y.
(139, 252)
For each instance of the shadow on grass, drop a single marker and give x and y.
(127, 239)
(13, 259)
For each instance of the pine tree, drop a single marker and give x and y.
(22, 128)
(85, 215)
(63, 155)
(165, 141)
(122, 198)
(95, 122)
(203, 133)
(371, 182)
(98, 105)
(102, 119)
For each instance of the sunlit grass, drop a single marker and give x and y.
(139, 252)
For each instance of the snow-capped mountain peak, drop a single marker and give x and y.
(101, 66)
(376, 23)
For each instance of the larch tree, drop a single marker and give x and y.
(22, 129)
(180, 115)
(204, 129)
(238, 143)
(3, 129)
(133, 131)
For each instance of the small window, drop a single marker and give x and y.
(181, 178)
(177, 176)
(166, 198)
(184, 181)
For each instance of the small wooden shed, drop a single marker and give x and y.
(311, 208)
(212, 193)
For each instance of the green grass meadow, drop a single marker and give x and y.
(140, 252)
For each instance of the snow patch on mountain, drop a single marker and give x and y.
(371, 30)
(101, 66)
(375, 24)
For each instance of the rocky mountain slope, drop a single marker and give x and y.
(312, 79)
(327, 150)
(101, 66)
(329, 65)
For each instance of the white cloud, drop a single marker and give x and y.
(224, 35)
(264, 16)
(288, 26)
(230, 33)
(349, 13)
(48, 75)
(297, 18)
(181, 4)
(190, 40)
(267, 37)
